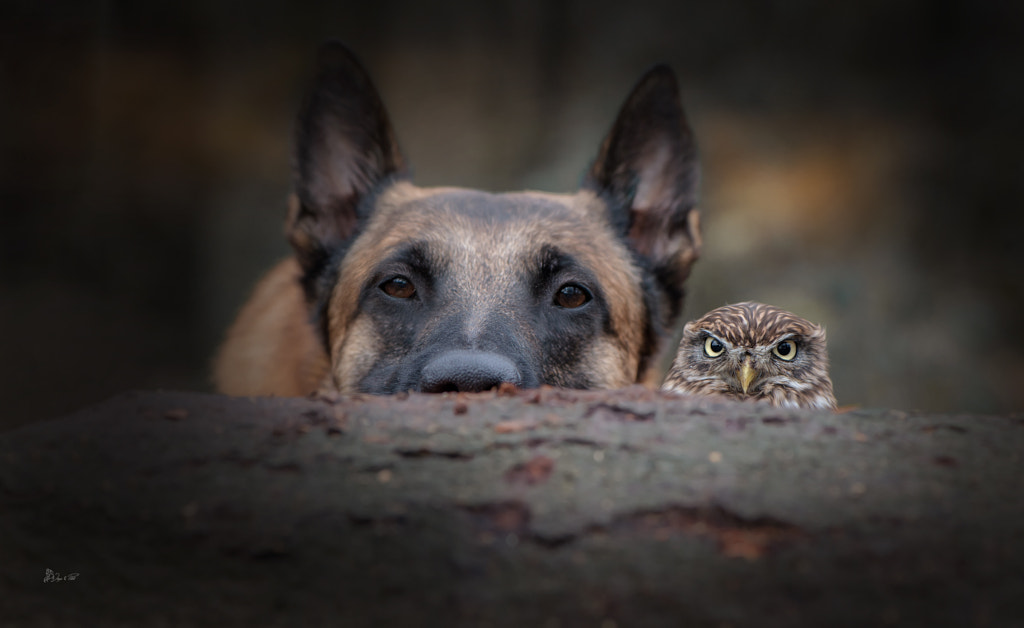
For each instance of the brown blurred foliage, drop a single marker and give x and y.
(860, 166)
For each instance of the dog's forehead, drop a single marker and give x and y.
(475, 207)
(476, 226)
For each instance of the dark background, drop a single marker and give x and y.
(861, 168)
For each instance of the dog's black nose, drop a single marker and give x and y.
(468, 371)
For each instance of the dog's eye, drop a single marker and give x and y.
(398, 287)
(571, 296)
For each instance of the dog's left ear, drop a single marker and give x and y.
(345, 148)
(647, 170)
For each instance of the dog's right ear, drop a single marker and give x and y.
(344, 148)
(647, 170)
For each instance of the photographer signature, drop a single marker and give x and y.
(51, 576)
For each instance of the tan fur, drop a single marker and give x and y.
(271, 349)
(360, 346)
(616, 368)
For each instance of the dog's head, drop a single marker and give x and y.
(438, 289)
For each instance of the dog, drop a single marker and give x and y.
(394, 287)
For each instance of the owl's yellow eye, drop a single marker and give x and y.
(785, 350)
(713, 347)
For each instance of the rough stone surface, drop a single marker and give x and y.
(534, 508)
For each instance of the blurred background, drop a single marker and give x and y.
(861, 168)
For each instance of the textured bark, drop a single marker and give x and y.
(539, 508)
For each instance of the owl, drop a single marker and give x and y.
(752, 351)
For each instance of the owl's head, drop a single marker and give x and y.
(754, 351)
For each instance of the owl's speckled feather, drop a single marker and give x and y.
(748, 341)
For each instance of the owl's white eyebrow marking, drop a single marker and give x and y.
(715, 336)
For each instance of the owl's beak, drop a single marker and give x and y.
(747, 374)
